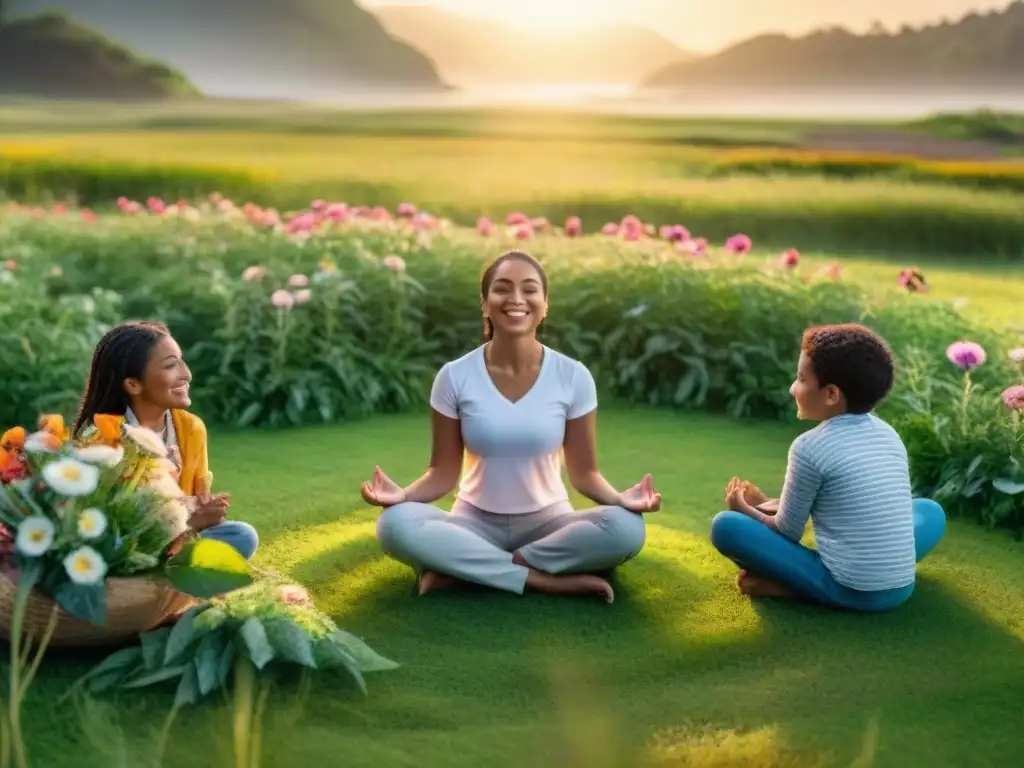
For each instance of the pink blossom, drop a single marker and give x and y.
(380, 213)
(318, 205)
(337, 212)
(423, 221)
(156, 205)
(406, 210)
(88, 216)
(738, 244)
(304, 222)
(60, 209)
(517, 218)
(523, 232)
(966, 354)
(1017, 355)
(573, 226)
(293, 594)
(216, 197)
(674, 232)
(128, 206)
(610, 229)
(789, 259)
(360, 210)
(394, 263)
(832, 271)
(253, 273)
(282, 299)
(485, 226)
(541, 224)
(696, 247)
(303, 295)
(632, 234)
(1013, 397)
(298, 281)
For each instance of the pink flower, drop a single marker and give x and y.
(60, 209)
(738, 244)
(337, 212)
(423, 221)
(394, 263)
(253, 273)
(574, 226)
(517, 218)
(380, 213)
(303, 295)
(523, 232)
(293, 594)
(610, 229)
(156, 205)
(966, 354)
(632, 234)
(298, 281)
(485, 226)
(674, 233)
(1013, 397)
(789, 259)
(360, 210)
(832, 271)
(698, 247)
(88, 216)
(318, 205)
(1017, 355)
(304, 222)
(406, 210)
(282, 299)
(216, 197)
(540, 223)
(128, 206)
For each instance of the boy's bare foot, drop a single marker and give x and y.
(756, 586)
(431, 581)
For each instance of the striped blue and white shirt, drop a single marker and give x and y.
(850, 476)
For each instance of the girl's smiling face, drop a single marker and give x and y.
(166, 378)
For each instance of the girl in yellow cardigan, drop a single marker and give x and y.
(138, 372)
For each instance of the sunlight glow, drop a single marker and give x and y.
(541, 16)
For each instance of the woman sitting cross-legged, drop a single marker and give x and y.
(512, 405)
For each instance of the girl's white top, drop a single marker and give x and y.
(513, 450)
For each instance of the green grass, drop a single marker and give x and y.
(681, 670)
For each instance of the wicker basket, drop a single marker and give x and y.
(133, 605)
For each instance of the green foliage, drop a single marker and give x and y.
(271, 625)
(966, 446)
(981, 125)
(206, 567)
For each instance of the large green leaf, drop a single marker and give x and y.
(86, 602)
(188, 687)
(154, 645)
(1007, 486)
(255, 637)
(110, 672)
(159, 676)
(367, 658)
(290, 642)
(206, 567)
(182, 635)
(329, 656)
(207, 661)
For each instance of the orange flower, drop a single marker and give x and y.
(13, 440)
(110, 427)
(53, 423)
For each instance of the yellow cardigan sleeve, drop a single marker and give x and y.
(195, 477)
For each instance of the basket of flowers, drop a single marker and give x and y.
(92, 529)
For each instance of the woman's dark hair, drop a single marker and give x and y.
(121, 354)
(488, 277)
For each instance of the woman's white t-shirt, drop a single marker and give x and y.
(513, 455)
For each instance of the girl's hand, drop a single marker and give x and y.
(641, 497)
(382, 491)
(735, 495)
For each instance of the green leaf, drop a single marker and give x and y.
(1007, 486)
(226, 662)
(207, 567)
(330, 655)
(140, 561)
(88, 603)
(367, 658)
(160, 675)
(182, 634)
(188, 688)
(112, 670)
(255, 637)
(153, 647)
(207, 662)
(290, 642)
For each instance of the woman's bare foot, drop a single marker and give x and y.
(756, 586)
(431, 581)
(571, 584)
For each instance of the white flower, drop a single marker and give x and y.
(85, 566)
(174, 517)
(92, 523)
(101, 455)
(148, 440)
(41, 442)
(35, 535)
(70, 477)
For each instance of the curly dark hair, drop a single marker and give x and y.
(488, 277)
(121, 354)
(853, 358)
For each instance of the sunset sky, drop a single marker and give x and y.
(702, 25)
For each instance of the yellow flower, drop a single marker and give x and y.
(85, 566)
(70, 477)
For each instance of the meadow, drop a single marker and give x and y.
(320, 267)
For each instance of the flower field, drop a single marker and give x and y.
(337, 311)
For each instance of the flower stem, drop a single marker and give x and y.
(51, 625)
(14, 715)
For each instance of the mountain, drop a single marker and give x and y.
(978, 50)
(301, 49)
(476, 51)
(51, 56)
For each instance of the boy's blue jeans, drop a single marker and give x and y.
(770, 555)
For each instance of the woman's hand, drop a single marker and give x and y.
(209, 511)
(382, 491)
(641, 497)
